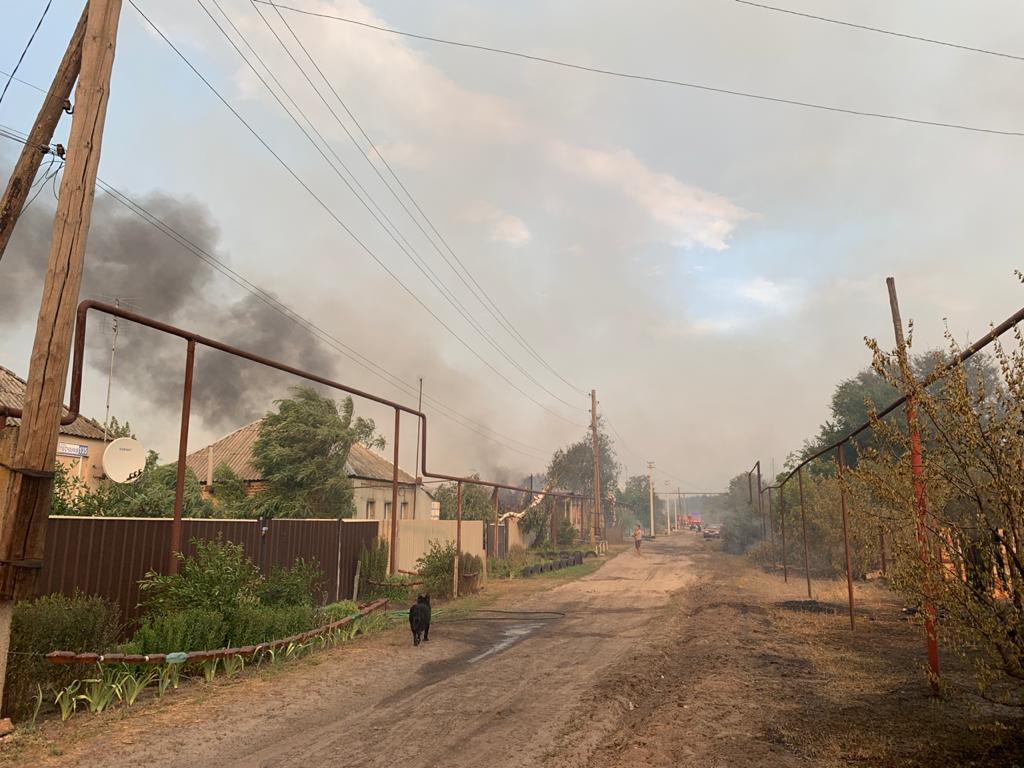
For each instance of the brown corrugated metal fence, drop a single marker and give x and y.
(107, 556)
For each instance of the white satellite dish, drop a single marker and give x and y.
(124, 459)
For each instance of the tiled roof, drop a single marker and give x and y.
(235, 450)
(12, 393)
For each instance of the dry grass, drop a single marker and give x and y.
(733, 678)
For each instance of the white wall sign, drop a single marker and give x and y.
(71, 449)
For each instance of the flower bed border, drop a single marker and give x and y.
(69, 657)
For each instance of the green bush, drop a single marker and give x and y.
(298, 585)
(373, 562)
(518, 558)
(567, 534)
(436, 568)
(499, 568)
(254, 624)
(55, 623)
(335, 612)
(190, 629)
(216, 578)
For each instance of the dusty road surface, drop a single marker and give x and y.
(498, 691)
(687, 657)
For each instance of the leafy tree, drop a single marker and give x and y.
(151, 495)
(872, 389)
(572, 467)
(301, 452)
(229, 494)
(367, 436)
(477, 503)
(970, 567)
(116, 429)
(66, 492)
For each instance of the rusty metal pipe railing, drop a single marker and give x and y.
(393, 553)
(193, 339)
(179, 483)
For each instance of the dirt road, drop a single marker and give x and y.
(498, 691)
(686, 657)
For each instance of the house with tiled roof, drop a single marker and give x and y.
(80, 444)
(369, 472)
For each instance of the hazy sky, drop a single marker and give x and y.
(709, 264)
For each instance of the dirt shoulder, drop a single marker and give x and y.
(736, 679)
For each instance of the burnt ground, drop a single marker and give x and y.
(684, 657)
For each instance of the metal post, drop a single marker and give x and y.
(553, 510)
(494, 545)
(458, 537)
(803, 523)
(917, 473)
(881, 549)
(179, 482)
(595, 507)
(782, 525)
(771, 526)
(416, 466)
(394, 499)
(760, 502)
(846, 530)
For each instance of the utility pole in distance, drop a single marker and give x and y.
(20, 184)
(597, 466)
(650, 493)
(25, 504)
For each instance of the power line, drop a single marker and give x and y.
(881, 31)
(216, 264)
(489, 305)
(22, 82)
(651, 78)
(334, 216)
(636, 455)
(404, 245)
(25, 51)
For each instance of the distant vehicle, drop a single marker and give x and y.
(713, 532)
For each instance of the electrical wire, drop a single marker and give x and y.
(905, 36)
(22, 82)
(651, 78)
(396, 234)
(489, 305)
(334, 216)
(604, 417)
(28, 45)
(270, 300)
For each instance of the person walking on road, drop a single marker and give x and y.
(638, 536)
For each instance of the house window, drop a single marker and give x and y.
(387, 510)
(405, 510)
(370, 512)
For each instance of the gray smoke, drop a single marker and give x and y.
(130, 259)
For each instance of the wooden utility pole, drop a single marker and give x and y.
(917, 474)
(26, 504)
(597, 466)
(38, 143)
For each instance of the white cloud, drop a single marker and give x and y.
(503, 227)
(767, 293)
(694, 217)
